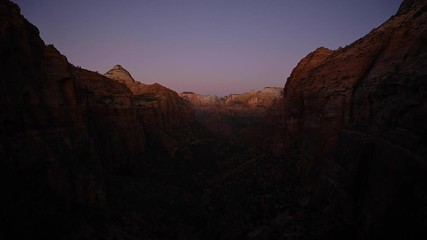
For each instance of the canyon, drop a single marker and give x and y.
(339, 153)
(230, 114)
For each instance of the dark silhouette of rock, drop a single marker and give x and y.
(355, 127)
(65, 129)
(48, 160)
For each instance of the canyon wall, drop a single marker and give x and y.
(354, 125)
(230, 114)
(48, 159)
(64, 129)
(162, 112)
(159, 107)
(255, 101)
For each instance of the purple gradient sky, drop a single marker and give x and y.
(206, 46)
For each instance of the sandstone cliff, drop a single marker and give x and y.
(262, 99)
(234, 112)
(162, 112)
(112, 119)
(354, 123)
(64, 129)
(47, 155)
(160, 108)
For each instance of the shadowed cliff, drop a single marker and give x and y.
(355, 127)
(64, 129)
(341, 155)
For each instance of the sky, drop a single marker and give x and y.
(215, 47)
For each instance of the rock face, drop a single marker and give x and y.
(255, 99)
(161, 110)
(351, 122)
(113, 120)
(233, 112)
(198, 100)
(122, 75)
(63, 129)
(354, 124)
(47, 155)
(261, 99)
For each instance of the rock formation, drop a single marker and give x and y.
(47, 155)
(63, 129)
(122, 75)
(261, 99)
(354, 123)
(341, 155)
(232, 113)
(112, 118)
(161, 110)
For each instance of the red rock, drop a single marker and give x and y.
(113, 120)
(45, 145)
(229, 114)
(160, 108)
(354, 123)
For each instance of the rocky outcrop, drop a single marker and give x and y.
(122, 75)
(354, 124)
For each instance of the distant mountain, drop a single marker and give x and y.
(233, 113)
(265, 98)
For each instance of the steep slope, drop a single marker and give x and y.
(48, 160)
(163, 113)
(122, 75)
(112, 119)
(160, 107)
(63, 131)
(354, 123)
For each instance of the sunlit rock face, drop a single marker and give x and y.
(265, 98)
(354, 123)
(234, 112)
(122, 75)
